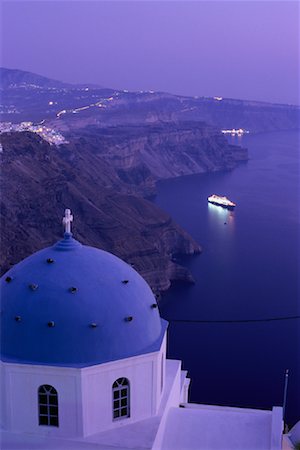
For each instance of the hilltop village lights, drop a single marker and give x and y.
(53, 137)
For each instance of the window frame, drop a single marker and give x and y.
(120, 399)
(48, 406)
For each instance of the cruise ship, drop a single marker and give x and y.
(221, 201)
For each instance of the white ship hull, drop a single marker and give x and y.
(221, 201)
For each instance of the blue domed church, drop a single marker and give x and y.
(83, 360)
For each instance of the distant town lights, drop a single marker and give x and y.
(218, 98)
(50, 103)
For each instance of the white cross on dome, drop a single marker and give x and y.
(68, 218)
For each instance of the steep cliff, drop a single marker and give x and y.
(154, 108)
(39, 181)
(144, 154)
(254, 116)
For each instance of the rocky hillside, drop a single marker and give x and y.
(254, 116)
(13, 78)
(123, 108)
(27, 96)
(142, 155)
(39, 181)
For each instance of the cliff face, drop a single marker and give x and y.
(156, 108)
(143, 154)
(39, 181)
(254, 116)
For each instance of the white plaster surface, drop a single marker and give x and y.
(84, 395)
(217, 428)
(20, 388)
(193, 427)
(139, 435)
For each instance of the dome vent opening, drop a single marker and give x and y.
(125, 281)
(154, 305)
(93, 325)
(51, 324)
(73, 289)
(8, 279)
(128, 319)
(50, 260)
(33, 286)
(18, 319)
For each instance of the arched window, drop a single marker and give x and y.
(121, 399)
(48, 405)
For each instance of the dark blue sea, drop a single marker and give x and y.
(249, 269)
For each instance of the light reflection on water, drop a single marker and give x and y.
(220, 217)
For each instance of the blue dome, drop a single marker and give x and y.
(74, 305)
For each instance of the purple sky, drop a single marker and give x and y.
(236, 49)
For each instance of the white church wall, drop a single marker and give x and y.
(276, 428)
(21, 391)
(185, 386)
(143, 373)
(161, 372)
(171, 397)
(84, 394)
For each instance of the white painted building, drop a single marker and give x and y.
(83, 364)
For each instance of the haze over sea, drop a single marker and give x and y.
(248, 270)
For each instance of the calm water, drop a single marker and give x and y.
(248, 270)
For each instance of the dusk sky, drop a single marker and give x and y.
(238, 49)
